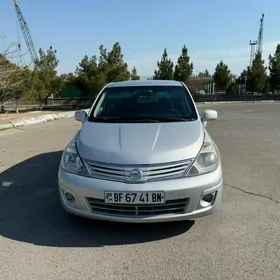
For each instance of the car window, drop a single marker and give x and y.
(143, 102)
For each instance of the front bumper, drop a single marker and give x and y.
(191, 188)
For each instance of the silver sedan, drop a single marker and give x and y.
(142, 155)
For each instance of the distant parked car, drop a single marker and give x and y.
(142, 155)
(200, 91)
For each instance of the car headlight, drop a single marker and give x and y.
(207, 161)
(71, 161)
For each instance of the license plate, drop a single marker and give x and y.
(134, 197)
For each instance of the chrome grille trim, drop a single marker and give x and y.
(98, 206)
(153, 172)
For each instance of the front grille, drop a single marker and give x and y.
(121, 173)
(98, 206)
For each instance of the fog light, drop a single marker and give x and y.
(207, 199)
(69, 197)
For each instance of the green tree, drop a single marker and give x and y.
(89, 78)
(184, 68)
(134, 75)
(231, 89)
(7, 74)
(45, 80)
(47, 60)
(267, 87)
(244, 74)
(222, 76)
(165, 68)
(204, 74)
(257, 77)
(117, 68)
(274, 70)
(23, 76)
(93, 74)
(37, 84)
(103, 59)
(68, 78)
(241, 81)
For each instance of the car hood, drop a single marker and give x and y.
(140, 143)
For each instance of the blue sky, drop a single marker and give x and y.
(212, 30)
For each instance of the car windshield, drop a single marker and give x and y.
(144, 104)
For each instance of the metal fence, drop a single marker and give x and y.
(80, 103)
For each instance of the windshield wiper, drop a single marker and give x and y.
(161, 119)
(125, 119)
(173, 119)
(142, 118)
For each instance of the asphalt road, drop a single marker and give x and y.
(38, 240)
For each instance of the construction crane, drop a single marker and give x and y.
(260, 37)
(26, 34)
(256, 46)
(253, 45)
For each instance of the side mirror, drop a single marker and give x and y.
(81, 116)
(209, 115)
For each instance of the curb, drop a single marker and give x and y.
(6, 126)
(37, 119)
(234, 102)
